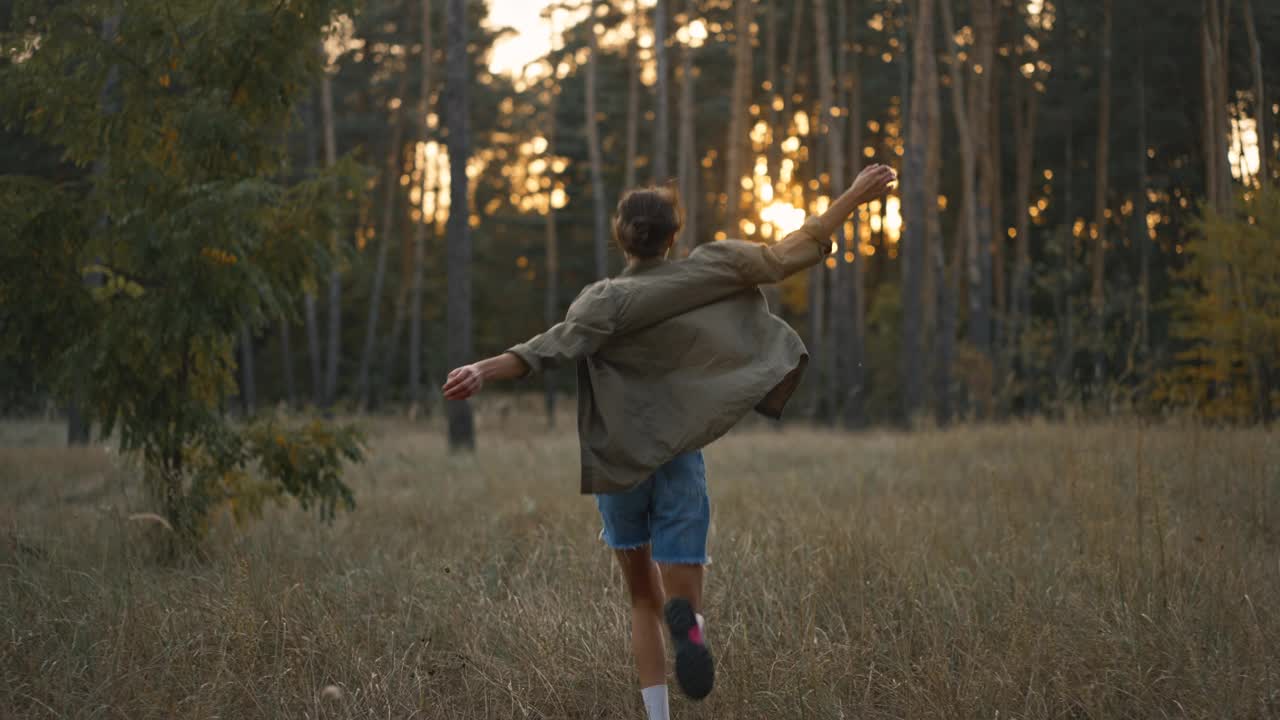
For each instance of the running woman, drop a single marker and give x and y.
(670, 355)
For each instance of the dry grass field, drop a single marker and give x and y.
(1025, 571)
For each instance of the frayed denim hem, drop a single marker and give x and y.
(683, 560)
(623, 546)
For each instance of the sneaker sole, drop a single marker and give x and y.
(695, 670)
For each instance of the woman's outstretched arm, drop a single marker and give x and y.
(806, 247)
(468, 380)
(590, 321)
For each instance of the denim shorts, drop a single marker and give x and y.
(670, 511)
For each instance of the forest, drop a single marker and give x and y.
(1030, 471)
(1083, 222)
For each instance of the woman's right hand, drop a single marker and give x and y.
(873, 183)
(464, 382)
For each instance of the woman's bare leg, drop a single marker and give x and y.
(645, 586)
(683, 581)
(695, 668)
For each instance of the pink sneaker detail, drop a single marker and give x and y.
(695, 635)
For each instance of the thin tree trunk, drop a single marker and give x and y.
(417, 399)
(633, 98)
(940, 303)
(855, 272)
(737, 139)
(838, 368)
(1215, 53)
(1144, 232)
(313, 350)
(688, 170)
(461, 423)
(969, 191)
(913, 244)
(1065, 305)
(1259, 94)
(1026, 105)
(793, 59)
(309, 299)
(335, 277)
(773, 154)
(662, 128)
(286, 362)
(980, 260)
(945, 342)
(998, 230)
(1097, 295)
(248, 381)
(591, 123)
(819, 409)
(848, 379)
(391, 189)
(551, 305)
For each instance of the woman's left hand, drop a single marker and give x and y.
(464, 382)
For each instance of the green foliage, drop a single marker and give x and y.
(128, 286)
(1228, 314)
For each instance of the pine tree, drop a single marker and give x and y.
(461, 424)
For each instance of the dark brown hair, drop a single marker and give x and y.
(647, 219)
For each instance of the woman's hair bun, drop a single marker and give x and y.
(647, 221)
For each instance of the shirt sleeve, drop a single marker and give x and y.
(763, 264)
(590, 321)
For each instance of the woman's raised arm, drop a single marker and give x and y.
(807, 246)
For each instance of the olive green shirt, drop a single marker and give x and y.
(672, 354)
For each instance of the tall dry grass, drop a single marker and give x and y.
(1030, 571)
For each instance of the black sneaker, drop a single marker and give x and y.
(695, 670)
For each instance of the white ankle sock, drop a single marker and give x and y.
(655, 702)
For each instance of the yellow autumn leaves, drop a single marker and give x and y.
(218, 257)
(114, 285)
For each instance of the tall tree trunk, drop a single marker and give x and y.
(1065, 303)
(969, 190)
(688, 170)
(418, 402)
(948, 316)
(633, 98)
(1259, 94)
(1215, 48)
(846, 386)
(662, 128)
(1097, 295)
(737, 140)
(391, 189)
(335, 277)
(461, 424)
(1024, 118)
(839, 367)
(1143, 231)
(316, 361)
(248, 381)
(591, 123)
(773, 154)
(914, 241)
(313, 350)
(979, 122)
(551, 304)
(940, 303)
(998, 231)
(793, 59)
(855, 272)
(286, 363)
